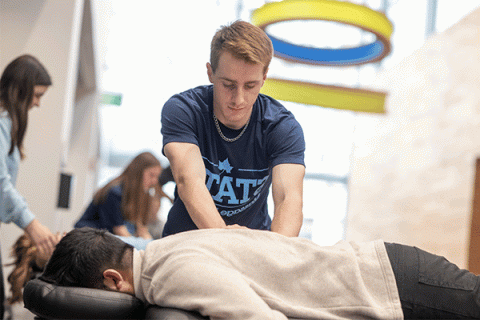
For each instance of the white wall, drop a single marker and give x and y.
(413, 168)
(83, 144)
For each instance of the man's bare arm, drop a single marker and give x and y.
(189, 174)
(287, 192)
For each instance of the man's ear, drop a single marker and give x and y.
(112, 279)
(210, 72)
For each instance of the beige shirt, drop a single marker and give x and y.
(250, 274)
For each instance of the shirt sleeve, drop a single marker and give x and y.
(13, 207)
(214, 290)
(287, 143)
(178, 121)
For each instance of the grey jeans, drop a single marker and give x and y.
(431, 287)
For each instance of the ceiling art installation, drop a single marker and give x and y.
(327, 10)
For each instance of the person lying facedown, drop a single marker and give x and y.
(237, 274)
(29, 262)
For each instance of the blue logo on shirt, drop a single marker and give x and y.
(231, 192)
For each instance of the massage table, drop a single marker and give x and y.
(50, 302)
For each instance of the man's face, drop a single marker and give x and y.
(236, 85)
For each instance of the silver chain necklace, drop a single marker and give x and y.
(223, 136)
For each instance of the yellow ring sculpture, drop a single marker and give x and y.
(330, 10)
(325, 95)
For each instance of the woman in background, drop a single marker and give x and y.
(22, 84)
(127, 204)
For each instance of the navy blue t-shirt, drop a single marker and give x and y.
(107, 214)
(238, 173)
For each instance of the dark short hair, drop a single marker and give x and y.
(80, 258)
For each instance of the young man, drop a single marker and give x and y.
(227, 144)
(251, 274)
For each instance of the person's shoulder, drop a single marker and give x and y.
(269, 104)
(5, 121)
(4, 117)
(272, 110)
(195, 98)
(200, 92)
(115, 192)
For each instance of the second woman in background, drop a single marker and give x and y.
(128, 203)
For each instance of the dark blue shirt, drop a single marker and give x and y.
(106, 215)
(239, 173)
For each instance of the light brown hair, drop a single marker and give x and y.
(244, 41)
(136, 202)
(27, 265)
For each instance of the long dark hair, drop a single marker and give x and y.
(16, 93)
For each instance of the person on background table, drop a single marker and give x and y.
(249, 274)
(22, 85)
(128, 203)
(227, 143)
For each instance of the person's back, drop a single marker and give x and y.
(251, 274)
(230, 272)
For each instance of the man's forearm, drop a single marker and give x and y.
(200, 205)
(189, 173)
(288, 219)
(287, 192)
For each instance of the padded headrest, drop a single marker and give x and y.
(56, 302)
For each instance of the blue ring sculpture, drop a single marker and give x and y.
(329, 10)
